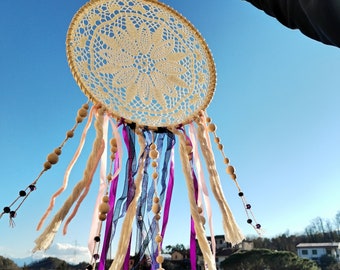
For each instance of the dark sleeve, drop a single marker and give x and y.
(317, 19)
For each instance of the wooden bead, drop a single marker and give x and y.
(153, 154)
(52, 158)
(158, 238)
(105, 199)
(57, 151)
(217, 140)
(226, 160)
(82, 112)
(47, 165)
(102, 216)
(154, 175)
(156, 200)
(230, 169)
(104, 208)
(157, 217)
(220, 146)
(208, 119)
(109, 177)
(202, 220)
(114, 149)
(79, 119)
(190, 156)
(188, 148)
(113, 142)
(160, 259)
(233, 176)
(211, 127)
(113, 156)
(86, 106)
(200, 210)
(154, 164)
(70, 133)
(153, 146)
(156, 208)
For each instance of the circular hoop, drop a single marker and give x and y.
(142, 60)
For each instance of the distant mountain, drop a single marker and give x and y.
(30, 264)
(21, 262)
(6, 263)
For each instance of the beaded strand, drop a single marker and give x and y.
(156, 207)
(230, 170)
(104, 208)
(51, 160)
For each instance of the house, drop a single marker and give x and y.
(314, 251)
(180, 255)
(223, 250)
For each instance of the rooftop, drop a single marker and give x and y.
(311, 245)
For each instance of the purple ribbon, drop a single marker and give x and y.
(109, 218)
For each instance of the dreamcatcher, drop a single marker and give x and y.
(149, 76)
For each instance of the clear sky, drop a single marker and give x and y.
(276, 107)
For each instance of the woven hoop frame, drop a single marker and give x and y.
(141, 60)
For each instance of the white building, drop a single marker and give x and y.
(314, 251)
(223, 250)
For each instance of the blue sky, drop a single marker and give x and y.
(276, 107)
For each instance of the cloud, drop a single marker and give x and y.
(70, 253)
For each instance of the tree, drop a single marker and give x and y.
(178, 247)
(326, 261)
(6, 263)
(337, 223)
(259, 259)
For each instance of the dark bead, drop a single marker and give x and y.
(89, 267)
(258, 226)
(240, 194)
(7, 209)
(96, 256)
(249, 221)
(22, 193)
(12, 214)
(32, 187)
(248, 206)
(97, 238)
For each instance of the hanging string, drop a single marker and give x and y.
(52, 159)
(231, 171)
(112, 198)
(69, 169)
(142, 239)
(202, 184)
(199, 228)
(46, 238)
(102, 191)
(231, 230)
(171, 142)
(125, 235)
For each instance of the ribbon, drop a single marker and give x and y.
(69, 168)
(95, 227)
(202, 185)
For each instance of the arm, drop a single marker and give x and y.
(317, 19)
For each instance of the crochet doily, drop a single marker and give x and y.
(142, 60)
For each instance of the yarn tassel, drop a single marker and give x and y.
(199, 228)
(103, 186)
(46, 238)
(231, 230)
(68, 170)
(202, 184)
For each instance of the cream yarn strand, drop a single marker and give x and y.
(131, 211)
(231, 230)
(200, 232)
(46, 238)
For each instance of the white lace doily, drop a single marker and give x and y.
(142, 60)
